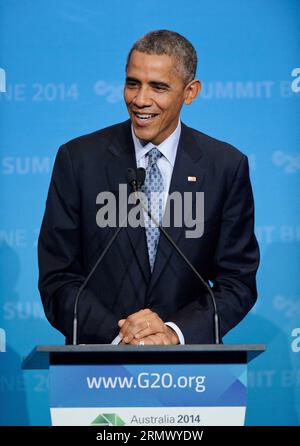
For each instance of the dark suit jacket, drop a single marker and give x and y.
(70, 241)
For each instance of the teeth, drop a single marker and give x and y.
(144, 116)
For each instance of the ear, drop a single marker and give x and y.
(191, 91)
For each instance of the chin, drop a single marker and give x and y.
(143, 134)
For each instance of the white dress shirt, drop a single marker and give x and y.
(166, 162)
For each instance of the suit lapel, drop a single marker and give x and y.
(187, 163)
(123, 156)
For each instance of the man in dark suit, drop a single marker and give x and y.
(143, 292)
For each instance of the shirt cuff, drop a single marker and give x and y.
(177, 331)
(116, 341)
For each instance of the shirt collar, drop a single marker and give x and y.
(168, 147)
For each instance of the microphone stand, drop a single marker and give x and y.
(131, 177)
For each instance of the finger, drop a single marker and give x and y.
(123, 330)
(148, 340)
(159, 339)
(148, 330)
(155, 339)
(128, 332)
(125, 326)
(127, 337)
(152, 326)
(152, 340)
(131, 328)
(121, 322)
(145, 341)
(136, 342)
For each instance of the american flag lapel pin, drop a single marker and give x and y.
(192, 179)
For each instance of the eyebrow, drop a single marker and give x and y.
(152, 83)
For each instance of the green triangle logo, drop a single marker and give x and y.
(108, 419)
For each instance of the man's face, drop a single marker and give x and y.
(154, 93)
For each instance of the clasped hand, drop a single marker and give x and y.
(147, 328)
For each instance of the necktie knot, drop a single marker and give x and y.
(153, 156)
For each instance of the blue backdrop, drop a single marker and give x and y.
(61, 75)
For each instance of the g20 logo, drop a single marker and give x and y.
(295, 345)
(295, 85)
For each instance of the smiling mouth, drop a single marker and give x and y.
(144, 117)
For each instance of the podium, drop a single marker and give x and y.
(118, 385)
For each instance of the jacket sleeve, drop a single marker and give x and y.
(233, 275)
(60, 262)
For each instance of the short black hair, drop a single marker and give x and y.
(172, 44)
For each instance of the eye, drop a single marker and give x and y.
(131, 84)
(160, 88)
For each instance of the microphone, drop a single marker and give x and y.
(136, 182)
(136, 178)
(132, 179)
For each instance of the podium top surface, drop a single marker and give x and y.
(44, 355)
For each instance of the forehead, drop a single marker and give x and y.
(149, 67)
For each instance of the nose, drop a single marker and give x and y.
(142, 98)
